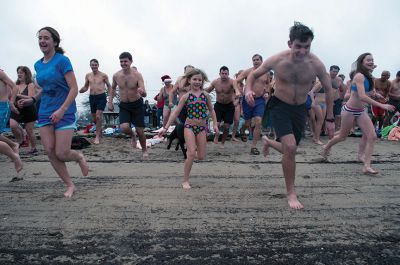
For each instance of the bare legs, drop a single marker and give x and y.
(10, 149)
(98, 119)
(193, 143)
(319, 121)
(367, 141)
(126, 129)
(236, 119)
(224, 134)
(57, 145)
(288, 148)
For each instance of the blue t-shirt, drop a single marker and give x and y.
(50, 77)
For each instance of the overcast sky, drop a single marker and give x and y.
(164, 36)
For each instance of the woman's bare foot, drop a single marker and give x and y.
(361, 158)
(369, 171)
(294, 202)
(325, 152)
(17, 163)
(186, 185)
(83, 165)
(266, 146)
(96, 141)
(145, 154)
(70, 191)
(317, 141)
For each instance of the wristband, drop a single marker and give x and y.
(330, 120)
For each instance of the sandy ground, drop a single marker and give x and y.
(130, 211)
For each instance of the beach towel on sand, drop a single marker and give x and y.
(394, 134)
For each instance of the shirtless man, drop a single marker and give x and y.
(339, 89)
(131, 90)
(256, 111)
(382, 86)
(96, 81)
(224, 108)
(295, 69)
(181, 89)
(394, 96)
(8, 147)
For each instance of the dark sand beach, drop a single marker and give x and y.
(133, 211)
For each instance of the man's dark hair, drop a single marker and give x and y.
(398, 73)
(125, 55)
(257, 55)
(334, 67)
(300, 32)
(94, 60)
(223, 68)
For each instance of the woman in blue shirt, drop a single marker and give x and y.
(56, 117)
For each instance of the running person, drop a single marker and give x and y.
(361, 87)
(198, 103)
(224, 107)
(295, 70)
(97, 82)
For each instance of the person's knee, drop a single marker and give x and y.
(290, 149)
(62, 154)
(191, 153)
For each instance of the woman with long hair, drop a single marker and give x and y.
(361, 91)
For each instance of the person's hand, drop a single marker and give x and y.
(110, 106)
(57, 115)
(162, 132)
(388, 107)
(216, 129)
(141, 92)
(250, 98)
(28, 101)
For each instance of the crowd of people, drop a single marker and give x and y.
(285, 92)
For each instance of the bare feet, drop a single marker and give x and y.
(318, 142)
(17, 163)
(325, 152)
(235, 139)
(145, 154)
(369, 171)
(186, 185)
(266, 146)
(70, 191)
(294, 202)
(222, 146)
(83, 165)
(96, 141)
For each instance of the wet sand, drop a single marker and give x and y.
(133, 211)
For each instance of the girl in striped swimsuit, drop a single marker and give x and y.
(362, 89)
